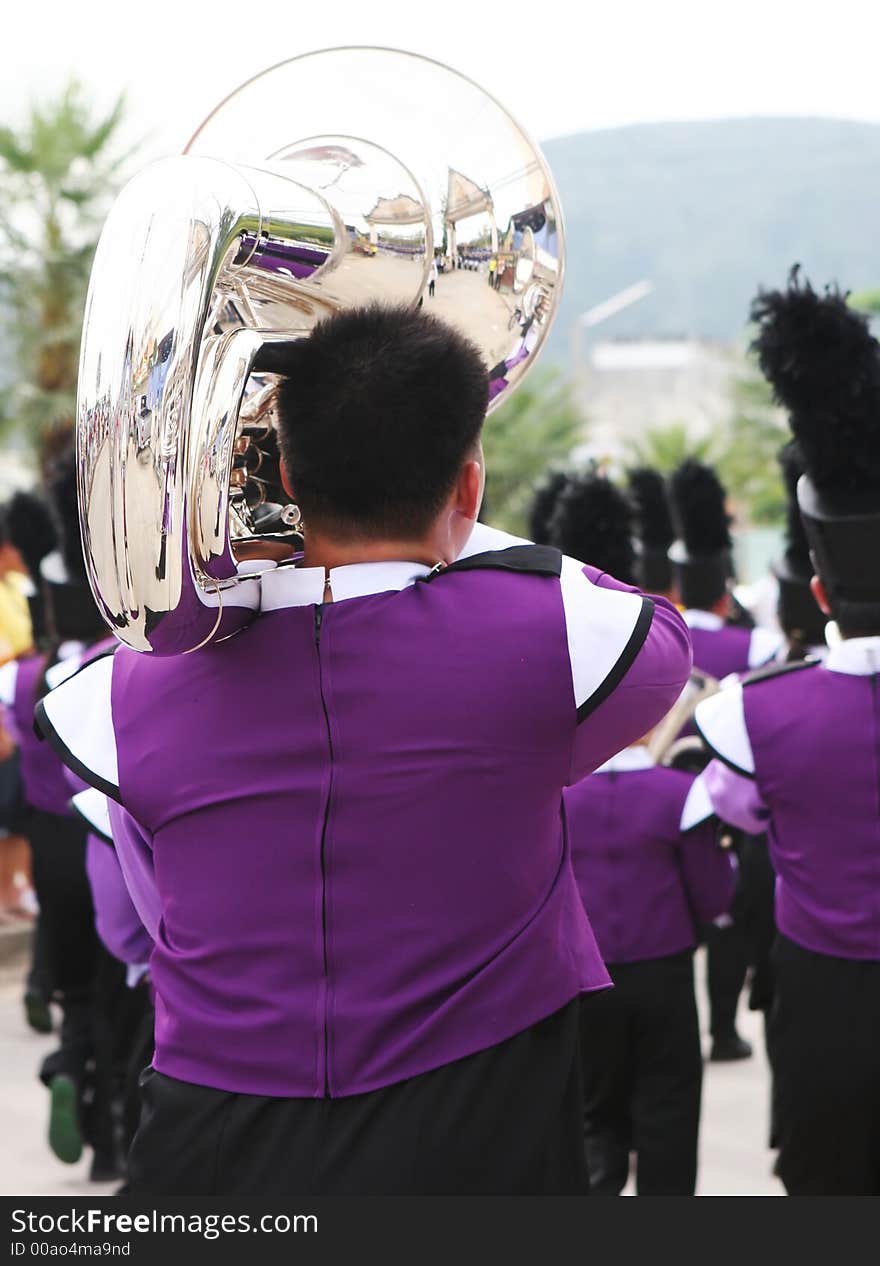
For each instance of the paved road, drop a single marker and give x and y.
(734, 1159)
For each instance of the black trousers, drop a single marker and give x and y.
(505, 1121)
(643, 1072)
(824, 1033)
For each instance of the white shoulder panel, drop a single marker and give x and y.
(76, 718)
(8, 678)
(697, 806)
(600, 624)
(722, 724)
(91, 805)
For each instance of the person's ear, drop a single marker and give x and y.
(285, 481)
(469, 490)
(818, 591)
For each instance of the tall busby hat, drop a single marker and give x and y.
(701, 556)
(593, 521)
(72, 613)
(543, 505)
(823, 364)
(32, 532)
(800, 615)
(654, 530)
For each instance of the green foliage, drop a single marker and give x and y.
(743, 450)
(58, 172)
(866, 301)
(665, 447)
(534, 430)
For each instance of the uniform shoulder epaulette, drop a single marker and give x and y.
(769, 671)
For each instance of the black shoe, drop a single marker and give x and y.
(37, 1013)
(726, 1049)
(65, 1134)
(105, 1167)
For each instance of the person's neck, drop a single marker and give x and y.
(324, 551)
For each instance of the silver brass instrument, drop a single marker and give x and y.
(326, 182)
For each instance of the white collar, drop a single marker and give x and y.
(304, 586)
(629, 759)
(696, 619)
(855, 656)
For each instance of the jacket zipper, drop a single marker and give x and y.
(319, 617)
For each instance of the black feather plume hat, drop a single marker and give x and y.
(823, 363)
(701, 555)
(800, 616)
(543, 504)
(655, 532)
(593, 522)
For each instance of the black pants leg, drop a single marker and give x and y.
(669, 1078)
(607, 1059)
(643, 1074)
(825, 1039)
(727, 956)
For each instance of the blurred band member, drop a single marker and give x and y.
(797, 756)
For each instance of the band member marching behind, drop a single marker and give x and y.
(650, 872)
(368, 938)
(81, 975)
(797, 756)
(702, 567)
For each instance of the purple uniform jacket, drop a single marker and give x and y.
(798, 756)
(43, 777)
(645, 857)
(722, 649)
(342, 827)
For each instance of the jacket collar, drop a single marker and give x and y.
(855, 656)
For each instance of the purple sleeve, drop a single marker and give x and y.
(709, 872)
(735, 799)
(645, 693)
(116, 919)
(135, 854)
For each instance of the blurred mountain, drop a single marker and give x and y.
(710, 210)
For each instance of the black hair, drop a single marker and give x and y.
(593, 521)
(377, 410)
(543, 505)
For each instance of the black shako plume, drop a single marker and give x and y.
(647, 490)
(593, 522)
(543, 505)
(698, 509)
(823, 364)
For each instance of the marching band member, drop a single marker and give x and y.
(368, 937)
(650, 872)
(702, 566)
(77, 1074)
(655, 534)
(797, 756)
(702, 560)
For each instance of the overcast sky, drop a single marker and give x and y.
(559, 67)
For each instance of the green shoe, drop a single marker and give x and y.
(65, 1136)
(37, 1013)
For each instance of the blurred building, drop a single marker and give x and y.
(629, 386)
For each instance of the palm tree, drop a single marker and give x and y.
(58, 172)
(533, 431)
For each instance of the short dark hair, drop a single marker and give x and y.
(377, 410)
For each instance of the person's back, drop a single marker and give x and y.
(342, 828)
(650, 873)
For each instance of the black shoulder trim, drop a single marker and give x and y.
(769, 671)
(93, 830)
(535, 560)
(45, 729)
(624, 663)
